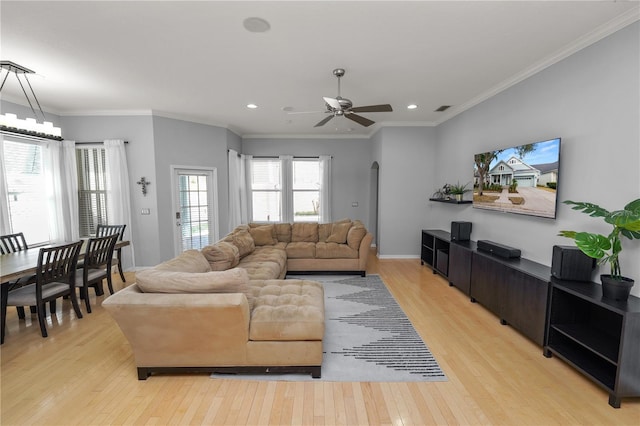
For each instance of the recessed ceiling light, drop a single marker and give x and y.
(412, 106)
(256, 25)
(287, 108)
(252, 106)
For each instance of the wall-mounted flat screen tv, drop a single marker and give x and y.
(522, 179)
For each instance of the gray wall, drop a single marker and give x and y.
(350, 168)
(591, 101)
(182, 143)
(406, 175)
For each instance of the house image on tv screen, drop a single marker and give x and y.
(505, 172)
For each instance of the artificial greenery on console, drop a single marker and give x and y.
(607, 248)
(459, 189)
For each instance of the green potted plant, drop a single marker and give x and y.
(459, 190)
(625, 223)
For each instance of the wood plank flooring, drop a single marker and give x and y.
(84, 373)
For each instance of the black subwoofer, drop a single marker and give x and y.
(460, 231)
(571, 264)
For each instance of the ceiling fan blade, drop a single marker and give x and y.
(373, 108)
(333, 103)
(324, 121)
(359, 119)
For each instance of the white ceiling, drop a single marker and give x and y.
(195, 61)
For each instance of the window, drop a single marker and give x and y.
(92, 185)
(286, 189)
(266, 190)
(306, 190)
(27, 190)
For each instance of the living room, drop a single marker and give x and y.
(589, 99)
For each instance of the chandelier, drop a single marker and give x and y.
(11, 124)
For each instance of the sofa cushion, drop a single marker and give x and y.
(339, 233)
(263, 235)
(268, 254)
(243, 240)
(335, 251)
(221, 256)
(301, 250)
(304, 232)
(261, 270)
(234, 280)
(187, 261)
(287, 310)
(324, 230)
(283, 232)
(356, 234)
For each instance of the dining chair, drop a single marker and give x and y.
(97, 266)
(105, 230)
(12, 243)
(55, 278)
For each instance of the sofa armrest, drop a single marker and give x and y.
(365, 248)
(174, 330)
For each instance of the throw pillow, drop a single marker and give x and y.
(263, 235)
(339, 233)
(187, 261)
(324, 230)
(221, 256)
(243, 241)
(355, 235)
(232, 281)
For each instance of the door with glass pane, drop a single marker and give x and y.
(196, 213)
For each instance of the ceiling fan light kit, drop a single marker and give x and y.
(340, 106)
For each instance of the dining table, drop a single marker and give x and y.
(24, 264)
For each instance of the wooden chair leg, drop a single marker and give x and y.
(4, 293)
(20, 310)
(110, 283)
(74, 302)
(33, 309)
(52, 306)
(120, 266)
(42, 313)
(84, 294)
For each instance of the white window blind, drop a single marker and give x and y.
(266, 190)
(92, 185)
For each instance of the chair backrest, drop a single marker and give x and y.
(105, 230)
(58, 263)
(99, 251)
(12, 242)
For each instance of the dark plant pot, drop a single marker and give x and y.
(614, 289)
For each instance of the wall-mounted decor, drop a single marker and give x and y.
(144, 182)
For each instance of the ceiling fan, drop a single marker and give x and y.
(340, 106)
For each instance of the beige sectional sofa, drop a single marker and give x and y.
(272, 250)
(227, 308)
(181, 316)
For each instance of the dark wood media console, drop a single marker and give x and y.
(598, 337)
(515, 290)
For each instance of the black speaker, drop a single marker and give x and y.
(498, 249)
(460, 231)
(571, 264)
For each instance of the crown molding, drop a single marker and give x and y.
(605, 30)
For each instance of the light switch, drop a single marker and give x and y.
(354, 204)
(145, 211)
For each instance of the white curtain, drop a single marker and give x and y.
(5, 222)
(238, 213)
(247, 208)
(286, 168)
(325, 189)
(62, 189)
(118, 199)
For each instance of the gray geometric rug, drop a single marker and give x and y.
(368, 337)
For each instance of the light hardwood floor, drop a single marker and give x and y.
(84, 373)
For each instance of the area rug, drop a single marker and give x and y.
(368, 337)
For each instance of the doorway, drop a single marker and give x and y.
(195, 202)
(374, 180)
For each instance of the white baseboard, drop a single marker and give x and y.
(398, 256)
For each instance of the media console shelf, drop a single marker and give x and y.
(599, 337)
(450, 201)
